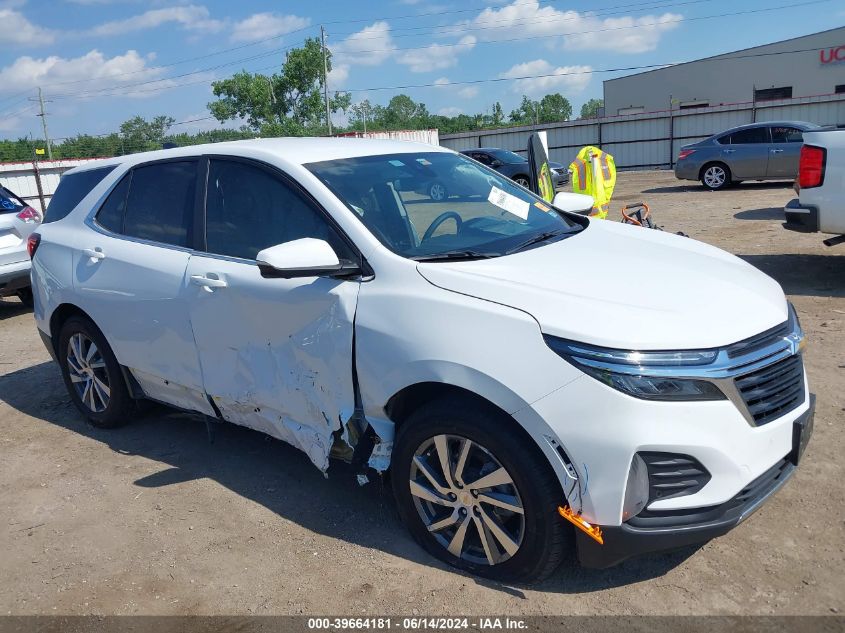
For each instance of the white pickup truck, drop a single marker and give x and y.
(820, 206)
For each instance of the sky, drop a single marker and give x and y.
(100, 62)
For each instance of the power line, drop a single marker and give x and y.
(576, 72)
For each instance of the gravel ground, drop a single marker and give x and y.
(152, 519)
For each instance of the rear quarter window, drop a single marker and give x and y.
(72, 189)
(9, 202)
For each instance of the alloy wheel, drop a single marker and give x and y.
(714, 177)
(522, 182)
(87, 370)
(467, 500)
(437, 191)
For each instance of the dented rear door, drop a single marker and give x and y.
(276, 354)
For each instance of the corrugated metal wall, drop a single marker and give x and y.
(652, 140)
(20, 178)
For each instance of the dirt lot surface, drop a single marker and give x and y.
(152, 519)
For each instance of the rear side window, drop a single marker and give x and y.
(110, 215)
(160, 205)
(249, 209)
(72, 188)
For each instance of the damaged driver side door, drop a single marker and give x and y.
(275, 354)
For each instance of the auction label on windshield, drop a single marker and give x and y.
(509, 202)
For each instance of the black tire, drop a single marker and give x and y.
(25, 296)
(715, 176)
(120, 405)
(546, 538)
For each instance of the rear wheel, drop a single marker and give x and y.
(476, 495)
(92, 374)
(522, 181)
(715, 176)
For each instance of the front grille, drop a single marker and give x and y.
(673, 475)
(752, 494)
(774, 390)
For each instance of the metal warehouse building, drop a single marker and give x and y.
(799, 67)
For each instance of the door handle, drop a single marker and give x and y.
(94, 253)
(777, 151)
(728, 151)
(207, 283)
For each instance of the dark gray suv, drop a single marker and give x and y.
(514, 166)
(759, 151)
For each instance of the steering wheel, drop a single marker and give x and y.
(440, 219)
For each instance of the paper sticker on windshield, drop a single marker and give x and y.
(396, 163)
(542, 207)
(423, 161)
(509, 203)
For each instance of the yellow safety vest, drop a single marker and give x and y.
(594, 174)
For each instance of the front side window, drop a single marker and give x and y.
(249, 209)
(783, 134)
(477, 212)
(751, 135)
(160, 205)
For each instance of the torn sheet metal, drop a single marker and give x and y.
(276, 353)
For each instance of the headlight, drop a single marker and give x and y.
(646, 375)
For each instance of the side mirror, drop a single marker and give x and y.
(307, 257)
(496, 163)
(573, 202)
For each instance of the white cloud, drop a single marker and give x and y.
(261, 26)
(524, 18)
(17, 29)
(93, 70)
(563, 78)
(191, 17)
(436, 56)
(368, 47)
(450, 111)
(442, 81)
(338, 76)
(469, 92)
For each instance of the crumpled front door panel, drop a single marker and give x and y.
(276, 354)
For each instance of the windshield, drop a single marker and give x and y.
(509, 158)
(441, 205)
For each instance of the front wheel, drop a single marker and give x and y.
(522, 181)
(92, 374)
(716, 176)
(437, 191)
(476, 495)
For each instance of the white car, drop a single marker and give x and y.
(820, 206)
(493, 353)
(17, 222)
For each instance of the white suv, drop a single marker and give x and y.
(501, 358)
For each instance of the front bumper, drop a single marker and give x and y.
(800, 218)
(651, 532)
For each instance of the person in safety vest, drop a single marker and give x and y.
(594, 174)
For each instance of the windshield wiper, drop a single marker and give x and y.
(454, 255)
(536, 239)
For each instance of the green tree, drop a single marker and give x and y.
(527, 113)
(590, 110)
(498, 114)
(285, 103)
(142, 135)
(555, 107)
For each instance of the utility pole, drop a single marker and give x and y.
(43, 116)
(326, 79)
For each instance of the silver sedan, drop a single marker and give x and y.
(760, 151)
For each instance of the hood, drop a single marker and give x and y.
(625, 287)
